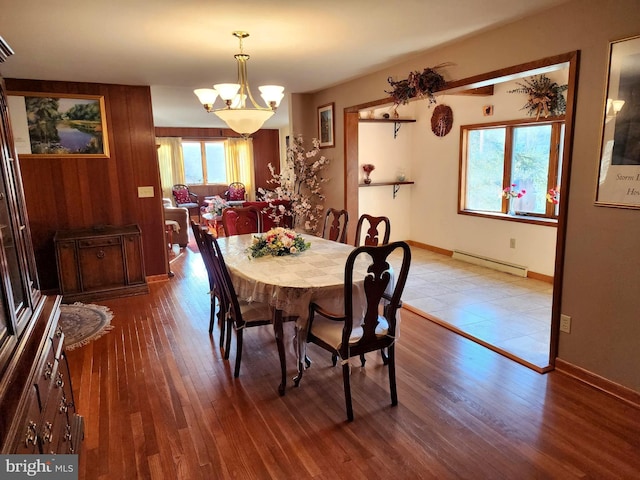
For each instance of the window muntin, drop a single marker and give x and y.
(204, 162)
(527, 154)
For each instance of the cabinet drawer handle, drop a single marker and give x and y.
(100, 254)
(31, 436)
(63, 408)
(47, 434)
(48, 371)
(59, 382)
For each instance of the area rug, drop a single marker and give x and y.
(83, 323)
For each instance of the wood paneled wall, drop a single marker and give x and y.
(63, 193)
(266, 146)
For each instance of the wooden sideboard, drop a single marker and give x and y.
(101, 262)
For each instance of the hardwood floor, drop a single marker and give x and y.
(161, 403)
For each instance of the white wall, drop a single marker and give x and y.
(427, 211)
(390, 156)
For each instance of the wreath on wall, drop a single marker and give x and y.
(545, 96)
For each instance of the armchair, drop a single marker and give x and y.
(181, 216)
(184, 198)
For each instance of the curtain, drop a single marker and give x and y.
(170, 163)
(238, 154)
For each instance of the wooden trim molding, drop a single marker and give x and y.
(600, 383)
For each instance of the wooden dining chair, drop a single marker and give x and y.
(373, 234)
(363, 328)
(335, 225)
(240, 314)
(241, 220)
(216, 293)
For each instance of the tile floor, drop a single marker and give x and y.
(509, 312)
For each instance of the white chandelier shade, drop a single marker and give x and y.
(235, 113)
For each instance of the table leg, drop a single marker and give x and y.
(279, 334)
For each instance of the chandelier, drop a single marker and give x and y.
(241, 118)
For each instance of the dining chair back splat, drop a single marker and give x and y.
(335, 225)
(355, 332)
(199, 233)
(240, 314)
(373, 234)
(241, 220)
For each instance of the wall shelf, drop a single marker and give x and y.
(397, 122)
(396, 185)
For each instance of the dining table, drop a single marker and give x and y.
(289, 283)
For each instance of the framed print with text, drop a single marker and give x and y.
(56, 125)
(326, 125)
(619, 170)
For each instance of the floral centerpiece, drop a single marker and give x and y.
(278, 241)
(215, 205)
(300, 183)
(512, 192)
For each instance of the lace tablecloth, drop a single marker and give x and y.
(289, 283)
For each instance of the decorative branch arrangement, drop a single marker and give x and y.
(545, 96)
(300, 182)
(417, 84)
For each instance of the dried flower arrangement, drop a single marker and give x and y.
(417, 84)
(545, 96)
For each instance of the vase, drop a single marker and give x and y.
(367, 180)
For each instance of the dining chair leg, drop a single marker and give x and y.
(298, 377)
(392, 375)
(212, 313)
(347, 390)
(385, 357)
(239, 337)
(279, 334)
(334, 359)
(228, 332)
(362, 359)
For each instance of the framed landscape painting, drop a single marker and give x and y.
(55, 125)
(326, 125)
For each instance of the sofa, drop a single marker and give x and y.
(180, 216)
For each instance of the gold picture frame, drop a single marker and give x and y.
(53, 125)
(619, 167)
(326, 125)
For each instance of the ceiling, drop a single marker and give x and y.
(176, 46)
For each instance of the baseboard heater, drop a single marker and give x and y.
(511, 268)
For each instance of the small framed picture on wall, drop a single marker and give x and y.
(326, 125)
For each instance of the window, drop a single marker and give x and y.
(496, 156)
(204, 162)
